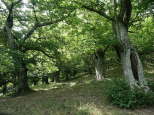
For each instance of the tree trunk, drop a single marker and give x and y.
(35, 81)
(4, 90)
(55, 76)
(132, 66)
(22, 86)
(22, 83)
(99, 69)
(45, 79)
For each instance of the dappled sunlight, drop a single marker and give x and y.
(70, 84)
(51, 86)
(71, 98)
(151, 71)
(48, 86)
(76, 57)
(91, 109)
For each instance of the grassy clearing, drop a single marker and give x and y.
(79, 97)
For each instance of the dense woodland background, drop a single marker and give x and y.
(75, 49)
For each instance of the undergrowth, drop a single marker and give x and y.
(120, 94)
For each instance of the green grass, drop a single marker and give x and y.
(79, 97)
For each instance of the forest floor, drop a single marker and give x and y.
(83, 96)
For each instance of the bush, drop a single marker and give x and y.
(119, 93)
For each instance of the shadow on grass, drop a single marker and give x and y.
(2, 113)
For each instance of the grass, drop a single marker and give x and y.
(79, 97)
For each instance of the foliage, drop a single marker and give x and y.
(6, 65)
(68, 44)
(120, 94)
(151, 85)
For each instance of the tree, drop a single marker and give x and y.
(119, 12)
(99, 56)
(15, 38)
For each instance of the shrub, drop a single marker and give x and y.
(120, 94)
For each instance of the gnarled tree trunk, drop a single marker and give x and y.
(131, 64)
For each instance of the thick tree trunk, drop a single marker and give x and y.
(22, 86)
(132, 66)
(22, 83)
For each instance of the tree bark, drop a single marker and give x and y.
(22, 85)
(99, 69)
(132, 66)
(98, 62)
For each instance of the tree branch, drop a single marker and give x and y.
(40, 50)
(100, 12)
(39, 25)
(30, 32)
(34, 11)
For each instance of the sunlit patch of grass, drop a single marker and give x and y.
(90, 108)
(47, 86)
(53, 85)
